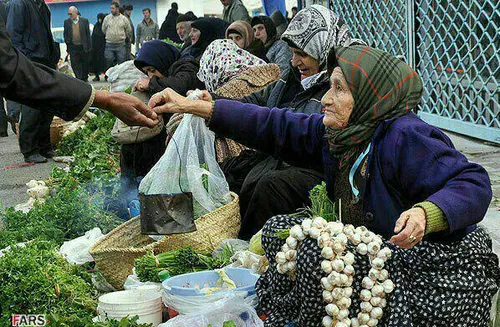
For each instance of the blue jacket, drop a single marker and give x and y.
(410, 161)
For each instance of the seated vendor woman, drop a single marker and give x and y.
(397, 175)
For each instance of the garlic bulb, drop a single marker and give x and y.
(363, 318)
(356, 239)
(388, 286)
(332, 310)
(295, 230)
(366, 307)
(349, 258)
(348, 292)
(280, 258)
(383, 275)
(326, 284)
(362, 248)
(378, 263)
(378, 290)
(327, 296)
(344, 303)
(365, 295)
(338, 265)
(327, 253)
(349, 270)
(291, 255)
(326, 266)
(376, 313)
(319, 222)
(314, 232)
(292, 242)
(367, 283)
(375, 301)
(374, 273)
(373, 248)
(344, 313)
(327, 321)
(372, 322)
(366, 237)
(355, 322)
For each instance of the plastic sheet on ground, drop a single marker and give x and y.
(231, 307)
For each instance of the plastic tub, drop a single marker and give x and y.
(190, 284)
(146, 304)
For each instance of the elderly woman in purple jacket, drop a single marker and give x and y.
(395, 174)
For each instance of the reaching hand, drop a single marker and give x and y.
(127, 108)
(168, 101)
(410, 228)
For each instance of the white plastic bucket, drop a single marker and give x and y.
(146, 304)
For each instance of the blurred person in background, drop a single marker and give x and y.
(28, 24)
(167, 30)
(234, 10)
(242, 34)
(280, 22)
(127, 12)
(97, 59)
(147, 30)
(78, 42)
(277, 51)
(117, 29)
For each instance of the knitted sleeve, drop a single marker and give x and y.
(436, 221)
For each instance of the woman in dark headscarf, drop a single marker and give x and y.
(98, 63)
(397, 176)
(203, 32)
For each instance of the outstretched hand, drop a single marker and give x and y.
(127, 108)
(410, 228)
(169, 101)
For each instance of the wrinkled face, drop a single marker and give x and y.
(306, 64)
(225, 2)
(183, 30)
(260, 32)
(151, 71)
(338, 101)
(114, 10)
(72, 14)
(146, 14)
(194, 35)
(238, 39)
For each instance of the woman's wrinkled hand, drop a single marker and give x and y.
(206, 96)
(142, 85)
(410, 228)
(168, 101)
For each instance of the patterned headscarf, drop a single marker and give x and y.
(242, 28)
(223, 60)
(315, 30)
(382, 86)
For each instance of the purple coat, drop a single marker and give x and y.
(410, 161)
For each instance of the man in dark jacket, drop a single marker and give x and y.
(28, 23)
(79, 43)
(31, 84)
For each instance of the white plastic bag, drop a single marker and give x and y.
(180, 168)
(231, 307)
(132, 282)
(193, 304)
(123, 76)
(77, 251)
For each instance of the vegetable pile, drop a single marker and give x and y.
(178, 262)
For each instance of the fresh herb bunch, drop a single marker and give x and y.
(74, 321)
(67, 214)
(96, 154)
(36, 279)
(321, 205)
(178, 262)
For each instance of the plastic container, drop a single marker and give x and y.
(190, 284)
(145, 303)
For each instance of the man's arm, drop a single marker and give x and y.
(66, 34)
(43, 88)
(157, 31)
(138, 36)
(105, 24)
(128, 29)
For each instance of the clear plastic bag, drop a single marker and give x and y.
(189, 165)
(231, 307)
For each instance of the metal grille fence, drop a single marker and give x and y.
(454, 45)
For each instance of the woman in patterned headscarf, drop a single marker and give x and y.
(395, 174)
(230, 72)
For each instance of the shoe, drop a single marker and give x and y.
(96, 79)
(35, 158)
(48, 154)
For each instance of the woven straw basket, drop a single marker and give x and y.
(116, 252)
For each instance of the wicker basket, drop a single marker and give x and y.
(115, 253)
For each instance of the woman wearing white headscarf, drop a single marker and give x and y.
(230, 72)
(268, 186)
